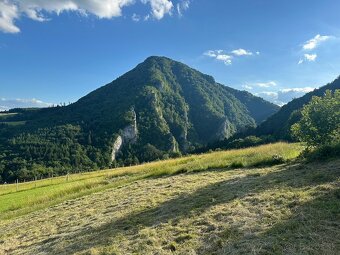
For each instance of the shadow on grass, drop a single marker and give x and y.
(189, 204)
(313, 228)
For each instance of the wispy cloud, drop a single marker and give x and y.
(227, 57)
(315, 42)
(135, 17)
(268, 84)
(242, 52)
(182, 6)
(298, 90)
(159, 8)
(308, 57)
(38, 10)
(6, 104)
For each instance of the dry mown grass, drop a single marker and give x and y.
(285, 209)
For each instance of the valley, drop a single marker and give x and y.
(232, 202)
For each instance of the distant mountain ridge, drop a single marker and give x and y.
(158, 109)
(278, 125)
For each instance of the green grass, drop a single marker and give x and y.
(6, 115)
(40, 194)
(14, 123)
(232, 202)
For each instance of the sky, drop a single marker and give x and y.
(57, 51)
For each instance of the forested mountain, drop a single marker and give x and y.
(258, 108)
(159, 109)
(279, 124)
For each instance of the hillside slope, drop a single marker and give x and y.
(279, 123)
(290, 208)
(258, 108)
(159, 109)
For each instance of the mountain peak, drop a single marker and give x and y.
(166, 106)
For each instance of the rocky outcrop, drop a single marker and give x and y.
(225, 130)
(116, 147)
(128, 135)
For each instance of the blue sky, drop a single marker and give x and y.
(58, 51)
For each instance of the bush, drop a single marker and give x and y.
(274, 160)
(320, 121)
(236, 164)
(322, 153)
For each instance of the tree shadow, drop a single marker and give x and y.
(189, 204)
(313, 228)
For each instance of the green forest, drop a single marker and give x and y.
(171, 109)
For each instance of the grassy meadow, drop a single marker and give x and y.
(30, 196)
(251, 201)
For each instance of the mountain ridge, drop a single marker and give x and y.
(279, 123)
(160, 108)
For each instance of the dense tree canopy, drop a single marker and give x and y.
(320, 121)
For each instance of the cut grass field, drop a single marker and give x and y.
(229, 202)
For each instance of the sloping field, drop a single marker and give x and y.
(290, 208)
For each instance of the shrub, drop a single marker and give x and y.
(320, 121)
(322, 153)
(236, 164)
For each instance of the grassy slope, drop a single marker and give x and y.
(41, 194)
(290, 209)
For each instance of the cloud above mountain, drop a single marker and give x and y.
(315, 42)
(284, 96)
(39, 10)
(6, 104)
(312, 45)
(228, 57)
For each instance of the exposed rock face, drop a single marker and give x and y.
(130, 132)
(224, 131)
(174, 147)
(128, 135)
(116, 147)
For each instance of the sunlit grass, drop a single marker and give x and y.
(16, 200)
(290, 208)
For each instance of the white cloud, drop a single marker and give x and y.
(227, 57)
(159, 7)
(38, 10)
(308, 57)
(284, 96)
(271, 94)
(299, 90)
(6, 104)
(219, 55)
(242, 52)
(8, 13)
(315, 42)
(268, 84)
